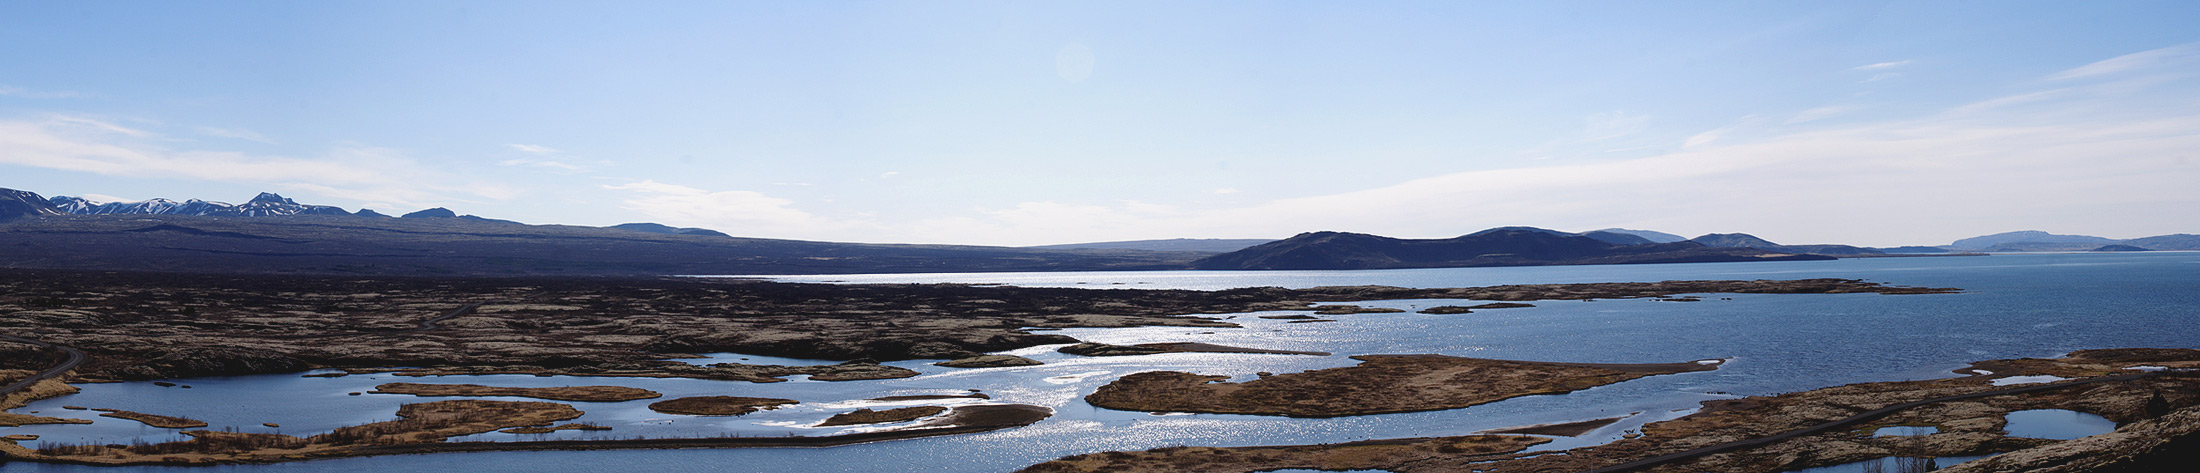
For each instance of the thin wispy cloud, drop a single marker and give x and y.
(536, 149)
(232, 133)
(2131, 62)
(347, 170)
(1882, 65)
(545, 163)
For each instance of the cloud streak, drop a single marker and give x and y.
(349, 170)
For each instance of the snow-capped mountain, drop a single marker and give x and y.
(267, 204)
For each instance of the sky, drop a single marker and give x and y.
(1029, 123)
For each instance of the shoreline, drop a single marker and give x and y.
(2156, 411)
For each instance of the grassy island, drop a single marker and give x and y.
(718, 405)
(161, 421)
(867, 416)
(1102, 349)
(1380, 384)
(567, 393)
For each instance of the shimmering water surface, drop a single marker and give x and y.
(2023, 305)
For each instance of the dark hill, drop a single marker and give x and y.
(16, 204)
(1744, 240)
(1512, 246)
(666, 229)
(2120, 248)
(1734, 240)
(1203, 245)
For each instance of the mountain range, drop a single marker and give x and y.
(273, 234)
(281, 237)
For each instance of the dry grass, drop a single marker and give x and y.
(156, 420)
(417, 423)
(1380, 384)
(718, 405)
(867, 416)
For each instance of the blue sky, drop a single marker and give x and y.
(1022, 123)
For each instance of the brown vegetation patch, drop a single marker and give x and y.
(10, 419)
(1102, 349)
(567, 393)
(931, 397)
(989, 361)
(418, 423)
(1363, 455)
(718, 405)
(850, 371)
(143, 326)
(1455, 309)
(161, 421)
(1379, 384)
(867, 416)
(1352, 309)
(545, 430)
(2161, 416)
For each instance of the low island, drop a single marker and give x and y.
(1380, 384)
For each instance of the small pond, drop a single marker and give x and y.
(2057, 424)
(1905, 431)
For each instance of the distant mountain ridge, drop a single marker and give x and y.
(1503, 246)
(2028, 238)
(1202, 245)
(267, 204)
(16, 203)
(2034, 240)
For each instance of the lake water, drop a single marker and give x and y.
(2023, 305)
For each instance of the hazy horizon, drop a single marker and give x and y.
(1032, 124)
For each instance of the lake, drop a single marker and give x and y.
(2014, 305)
